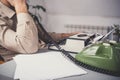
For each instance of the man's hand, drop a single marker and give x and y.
(20, 5)
(66, 35)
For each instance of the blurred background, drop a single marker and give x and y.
(78, 15)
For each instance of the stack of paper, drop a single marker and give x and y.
(45, 66)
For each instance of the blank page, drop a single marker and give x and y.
(45, 66)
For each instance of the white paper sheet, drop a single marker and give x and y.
(45, 66)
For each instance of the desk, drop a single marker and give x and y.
(7, 71)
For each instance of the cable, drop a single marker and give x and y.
(54, 42)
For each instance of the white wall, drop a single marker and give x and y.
(84, 7)
(34, 11)
(57, 23)
(90, 12)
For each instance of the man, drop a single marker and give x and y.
(18, 32)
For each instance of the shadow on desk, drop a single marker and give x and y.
(5, 78)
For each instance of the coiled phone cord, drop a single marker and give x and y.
(53, 41)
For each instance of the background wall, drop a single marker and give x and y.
(78, 12)
(81, 12)
(38, 12)
(84, 7)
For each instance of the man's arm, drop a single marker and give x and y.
(25, 39)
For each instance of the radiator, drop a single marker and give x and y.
(86, 28)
